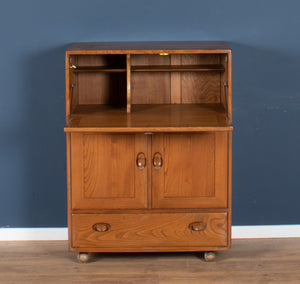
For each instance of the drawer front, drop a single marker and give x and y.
(149, 230)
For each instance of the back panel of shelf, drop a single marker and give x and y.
(150, 87)
(203, 84)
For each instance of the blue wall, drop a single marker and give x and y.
(265, 38)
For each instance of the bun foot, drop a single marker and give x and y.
(83, 257)
(209, 256)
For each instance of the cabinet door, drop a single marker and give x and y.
(108, 171)
(190, 170)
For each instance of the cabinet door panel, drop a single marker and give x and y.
(193, 172)
(104, 171)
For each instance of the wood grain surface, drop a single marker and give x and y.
(177, 68)
(200, 88)
(104, 171)
(194, 171)
(144, 47)
(153, 87)
(146, 232)
(249, 261)
(162, 118)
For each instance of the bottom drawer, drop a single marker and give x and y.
(149, 230)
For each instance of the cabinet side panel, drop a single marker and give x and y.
(224, 82)
(67, 90)
(69, 185)
(229, 97)
(229, 187)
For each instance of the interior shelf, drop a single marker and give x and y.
(151, 68)
(178, 68)
(78, 69)
(149, 118)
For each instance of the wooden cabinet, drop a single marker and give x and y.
(148, 128)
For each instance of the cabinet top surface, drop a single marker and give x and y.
(150, 46)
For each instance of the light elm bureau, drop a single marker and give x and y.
(149, 129)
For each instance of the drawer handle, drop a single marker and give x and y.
(101, 227)
(157, 161)
(141, 161)
(197, 226)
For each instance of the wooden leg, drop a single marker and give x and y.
(209, 256)
(83, 257)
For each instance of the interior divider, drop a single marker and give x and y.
(128, 76)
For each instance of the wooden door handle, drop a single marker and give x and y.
(197, 226)
(157, 161)
(101, 227)
(141, 161)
